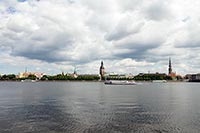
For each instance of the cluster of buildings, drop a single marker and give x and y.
(121, 76)
(26, 74)
(103, 74)
(173, 75)
(193, 77)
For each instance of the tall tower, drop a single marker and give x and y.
(170, 66)
(102, 70)
(75, 72)
(75, 75)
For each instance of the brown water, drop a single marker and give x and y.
(56, 107)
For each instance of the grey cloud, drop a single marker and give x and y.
(51, 38)
(136, 51)
(158, 10)
(189, 39)
(189, 44)
(42, 55)
(50, 52)
(140, 45)
(124, 29)
(47, 54)
(129, 5)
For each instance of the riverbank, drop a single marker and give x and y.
(169, 81)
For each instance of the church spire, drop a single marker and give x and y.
(170, 66)
(101, 70)
(101, 63)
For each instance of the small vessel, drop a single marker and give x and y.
(159, 81)
(111, 82)
(28, 80)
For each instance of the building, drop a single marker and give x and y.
(151, 76)
(102, 70)
(119, 76)
(193, 77)
(23, 75)
(170, 72)
(26, 74)
(38, 75)
(188, 76)
(74, 75)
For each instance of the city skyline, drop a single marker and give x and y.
(102, 71)
(130, 36)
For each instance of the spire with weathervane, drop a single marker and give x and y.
(102, 70)
(170, 66)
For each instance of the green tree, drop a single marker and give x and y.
(32, 77)
(45, 77)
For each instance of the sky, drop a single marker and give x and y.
(130, 36)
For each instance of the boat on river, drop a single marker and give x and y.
(29, 80)
(159, 81)
(116, 82)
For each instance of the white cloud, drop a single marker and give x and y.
(64, 33)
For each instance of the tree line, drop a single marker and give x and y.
(145, 77)
(13, 77)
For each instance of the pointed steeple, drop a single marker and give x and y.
(102, 65)
(101, 70)
(75, 72)
(170, 66)
(25, 69)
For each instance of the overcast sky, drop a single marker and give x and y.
(130, 36)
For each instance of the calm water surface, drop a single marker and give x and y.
(56, 107)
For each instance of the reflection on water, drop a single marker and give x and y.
(95, 107)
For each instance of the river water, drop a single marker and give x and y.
(74, 107)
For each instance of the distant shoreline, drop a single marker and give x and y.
(169, 81)
(54, 81)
